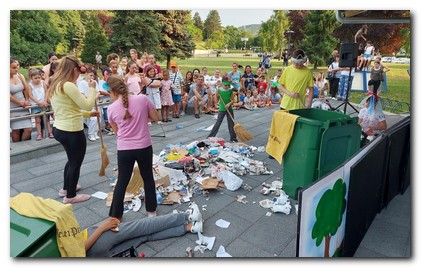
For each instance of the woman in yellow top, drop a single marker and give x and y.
(68, 103)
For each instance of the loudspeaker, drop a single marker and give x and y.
(348, 55)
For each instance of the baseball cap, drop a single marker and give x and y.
(226, 80)
(173, 64)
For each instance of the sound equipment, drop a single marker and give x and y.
(348, 55)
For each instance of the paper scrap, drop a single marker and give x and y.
(221, 253)
(223, 224)
(205, 241)
(100, 195)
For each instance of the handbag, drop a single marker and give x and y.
(330, 75)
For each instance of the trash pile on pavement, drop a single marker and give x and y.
(181, 170)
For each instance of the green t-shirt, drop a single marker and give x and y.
(225, 95)
(295, 80)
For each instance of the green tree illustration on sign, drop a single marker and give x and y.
(329, 213)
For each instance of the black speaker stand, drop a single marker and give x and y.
(346, 102)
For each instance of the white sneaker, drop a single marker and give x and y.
(197, 227)
(96, 136)
(194, 213)
(159, 122)
(91, 137)
(182, 113)
(137, 204)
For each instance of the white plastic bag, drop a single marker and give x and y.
(232, 182)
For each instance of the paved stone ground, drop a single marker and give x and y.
(37, 167)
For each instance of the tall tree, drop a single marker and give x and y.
(135, 29)
(212, 24)
(70, 27)
(32, 36)
(198, 21)
(297, 19)
(175, 41)
(95, 40)
(232, 36)
(319, 42)
(271, 32)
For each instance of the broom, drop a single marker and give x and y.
(103, 151)
(239, 130)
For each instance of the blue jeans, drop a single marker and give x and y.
(343, 85)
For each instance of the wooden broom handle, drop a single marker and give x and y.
(99, 124)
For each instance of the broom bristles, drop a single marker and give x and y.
(105, 160)
(241, 133)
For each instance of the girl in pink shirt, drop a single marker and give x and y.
(132, 79)
(128, 116)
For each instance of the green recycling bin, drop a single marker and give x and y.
(321, 141)
(32, 237)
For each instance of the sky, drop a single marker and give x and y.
(237, 17)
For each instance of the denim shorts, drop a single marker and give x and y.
(36, 110)
(176, 98)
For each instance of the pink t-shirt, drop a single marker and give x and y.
(132, 133)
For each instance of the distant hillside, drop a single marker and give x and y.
(252, 28)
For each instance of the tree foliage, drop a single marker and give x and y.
(32, 36)
(197, 21)
(212, 24)
(318, 42)
(70, 27)
(272, 31)
(329, 213)
(175, 41)
(135, 29)
(95, 40)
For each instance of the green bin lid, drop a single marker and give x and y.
(26, 231)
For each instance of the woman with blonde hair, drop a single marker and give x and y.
(70, 106)
(128, 116)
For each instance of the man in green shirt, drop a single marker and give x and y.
(294, 83)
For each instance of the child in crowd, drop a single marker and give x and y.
(376, 76)
(278, 75)
(225, 96)
(114, 67)
(262, 85)
(152, 88)
(239, 99)
(91, 122)
(255, 98)
(263, 99)
(248, 101)
(132, 78)
(37, 95)
(105, 97)
(123, 64)
(177, 82)
(274, 96)
(166, 96)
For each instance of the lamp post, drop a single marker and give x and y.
(289, 33)
(245, 39)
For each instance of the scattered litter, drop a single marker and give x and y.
(261, 149)
(222, 223)
(100, 195)
(222, 253)
(189, 252)
(266, 203)
(241, 199)
(137, 204)
(205, 241)
(264, 191)
(286, 208)
(209, 128)
(268, 214)
(179, 126)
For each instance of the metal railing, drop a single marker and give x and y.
(45, 111)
